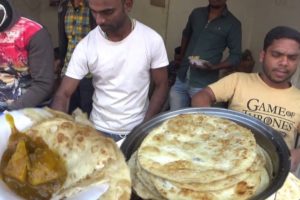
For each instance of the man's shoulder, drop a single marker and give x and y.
(144, 27)
(147, 31)
(243, 75)
(248, 77)
(296, 90)
(233, 18)
(241, 79)
(199, 11)
(29, 28)
(30, 23)
(92, 34)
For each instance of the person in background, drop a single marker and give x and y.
(122, 54)
(208, 32)
(269, 95)
(26, 61)
(247, 62)
(246, 65)
(74, 22)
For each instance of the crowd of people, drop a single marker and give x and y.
(99, 44)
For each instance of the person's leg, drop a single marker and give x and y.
(86, 91)
(179, 97)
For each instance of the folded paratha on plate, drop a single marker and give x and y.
(90, 158)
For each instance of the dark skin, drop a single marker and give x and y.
(159, 95)
(62, 96)
(112, 17)
(215, 10)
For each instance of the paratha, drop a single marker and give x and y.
(250, 183)
(143, 177)
(90, 158)
(197, 148)
(242, 190)
(200, 157)
(229, 181)
(146, 191)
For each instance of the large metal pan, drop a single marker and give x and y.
(265, 136)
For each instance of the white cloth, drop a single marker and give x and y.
(121, 75)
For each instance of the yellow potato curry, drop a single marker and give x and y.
(29, 167)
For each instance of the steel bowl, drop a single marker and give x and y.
(266, 137)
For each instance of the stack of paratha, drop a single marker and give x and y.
(194, 156)
(90, 158)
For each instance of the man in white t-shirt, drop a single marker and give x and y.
(123, 55)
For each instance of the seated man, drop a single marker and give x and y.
(269, 95)
(26, 61)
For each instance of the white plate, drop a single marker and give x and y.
(22, 122)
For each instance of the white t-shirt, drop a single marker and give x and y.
(121, 75)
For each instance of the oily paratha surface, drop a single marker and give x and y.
(197, 148)
(240, 191)
(90, 157)
(229, 181)
(257, 180)
(117, 172)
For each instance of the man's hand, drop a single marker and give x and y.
(295, 159)
(62, 96)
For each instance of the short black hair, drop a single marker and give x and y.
(280, 32)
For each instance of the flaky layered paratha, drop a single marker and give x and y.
(143, 177)
(199, 157)
(230, 181)
(145, 191)
(119, 179)
(242, 190)
(242, 186)
(197, 148)
(40, 115)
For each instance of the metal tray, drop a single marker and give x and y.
(266, 137)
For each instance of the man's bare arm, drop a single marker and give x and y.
(159, 95)
(62, 96)
(204, 98)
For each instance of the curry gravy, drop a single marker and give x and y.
(29, 167)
